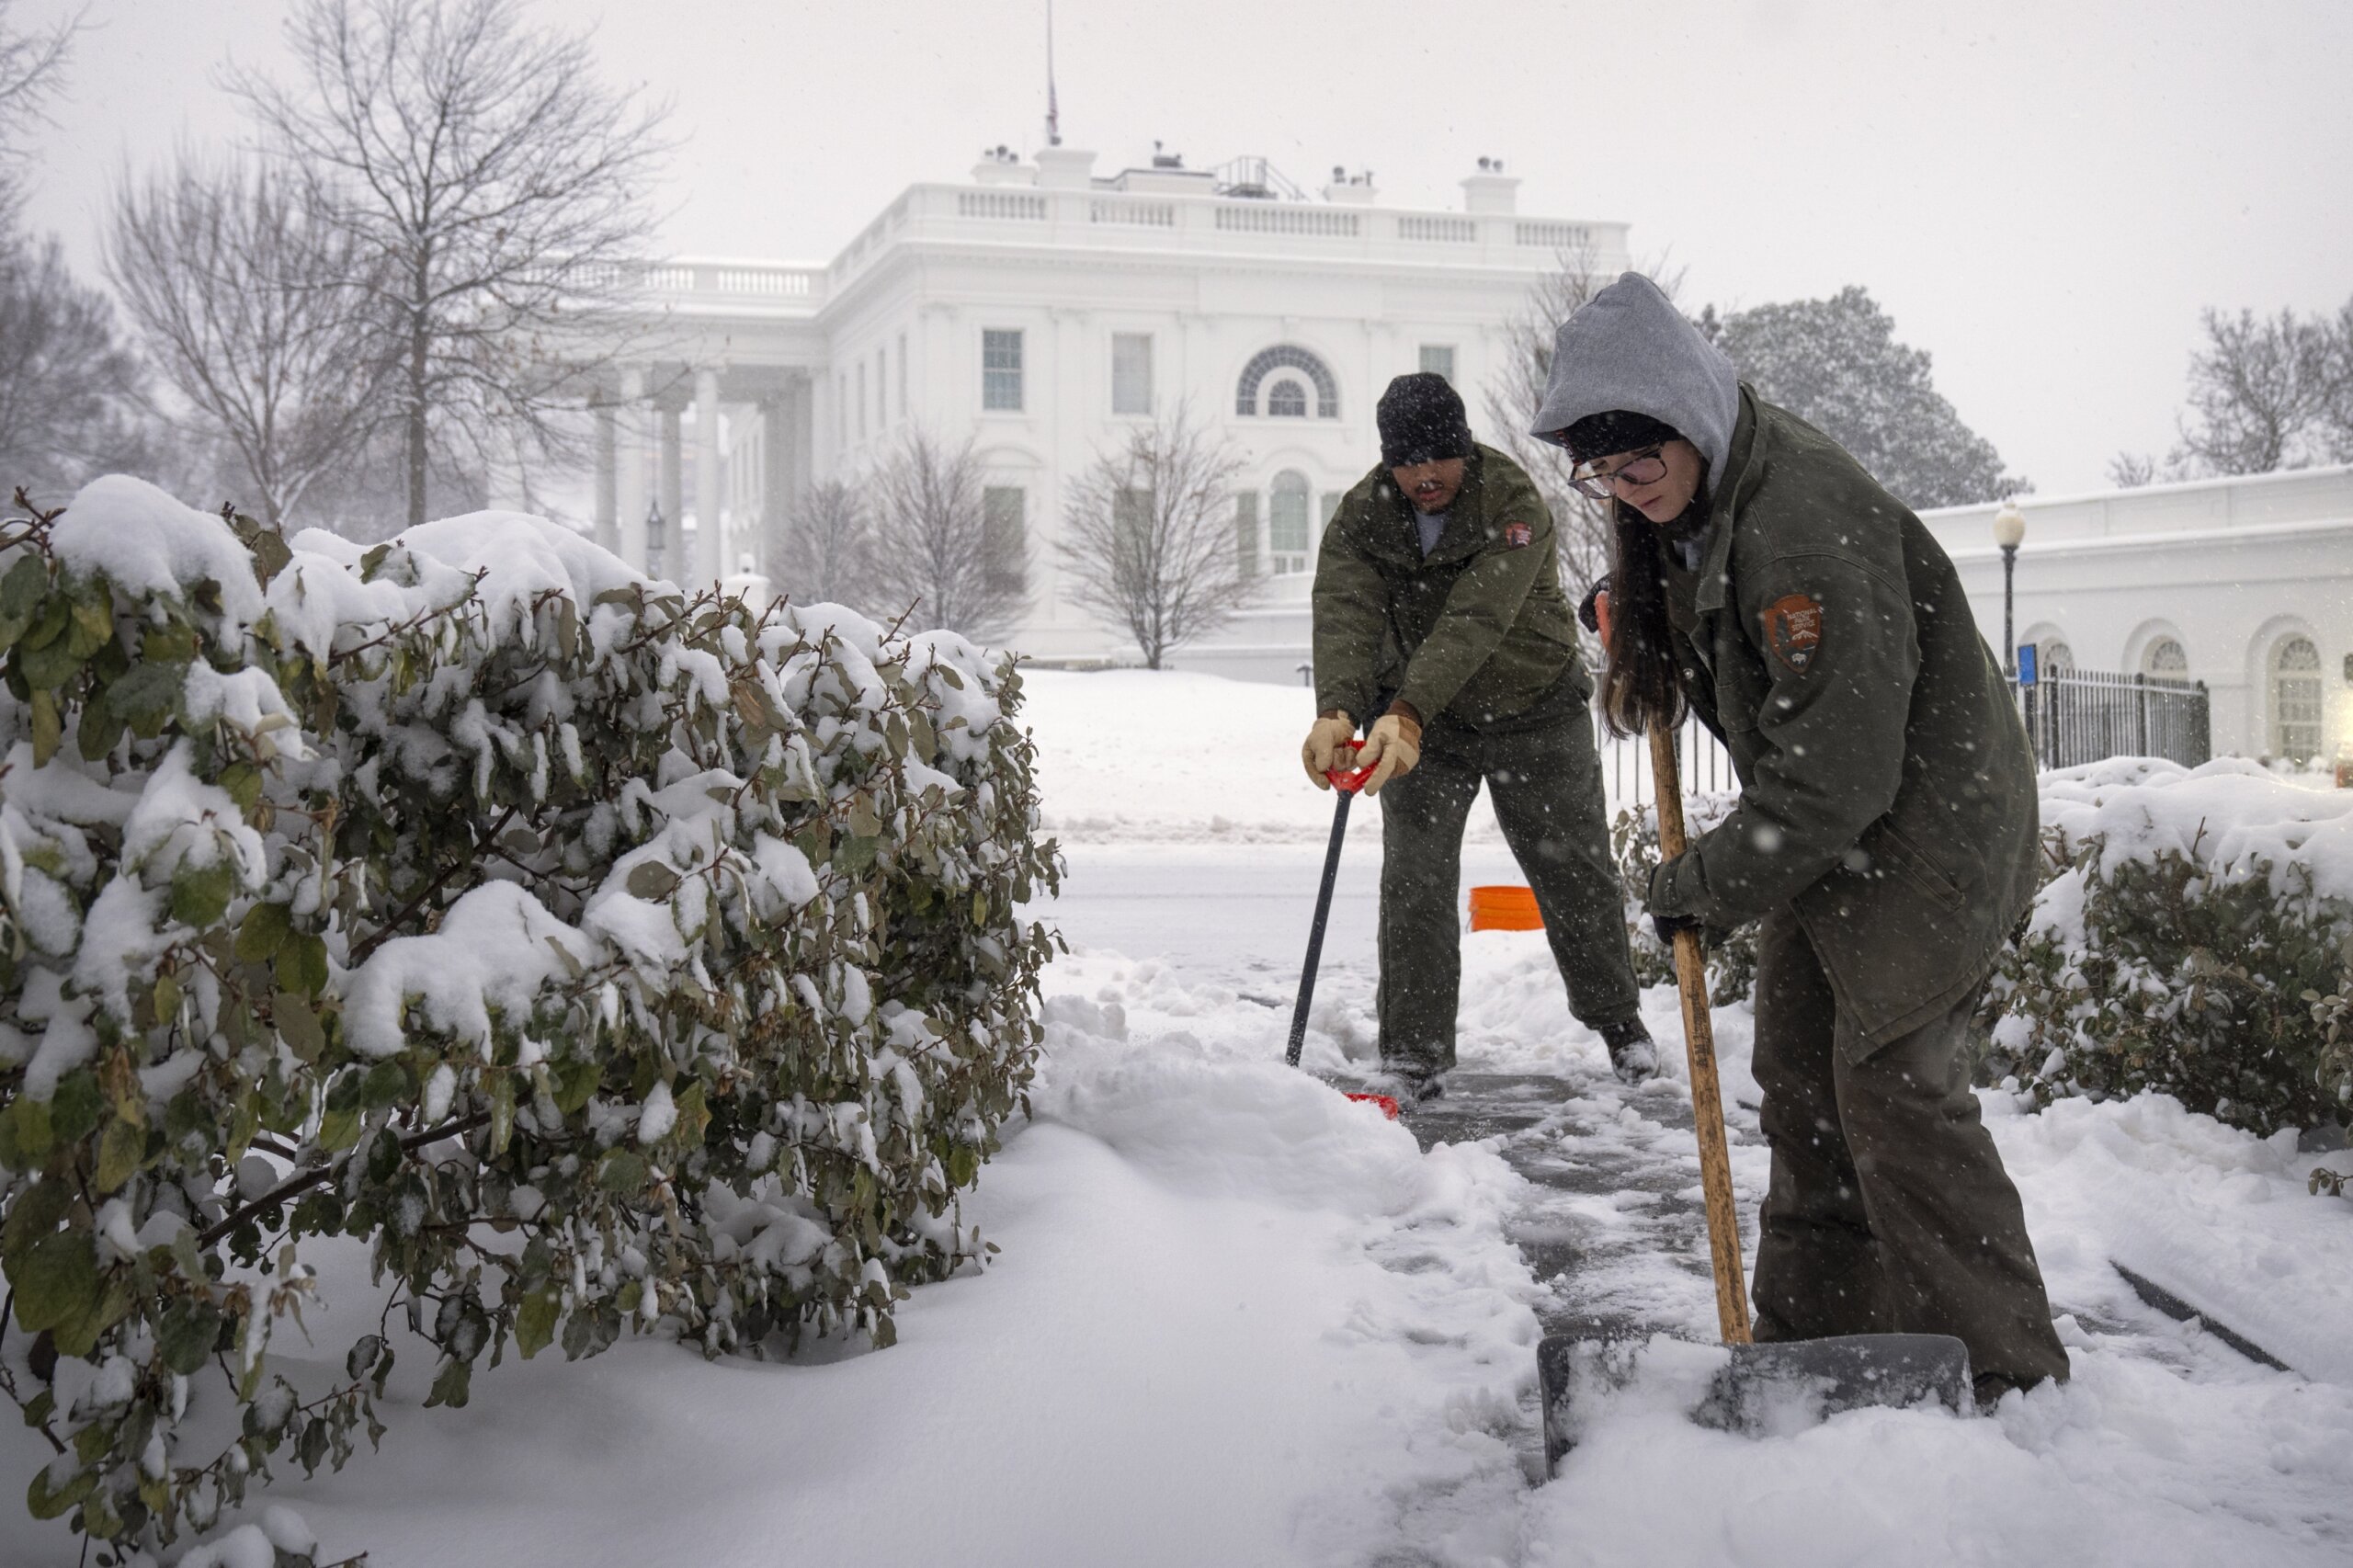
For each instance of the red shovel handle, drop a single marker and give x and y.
(1349, 779)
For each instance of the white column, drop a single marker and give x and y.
(630, 492)
(674, 495)
(607, 437)
(710, 483)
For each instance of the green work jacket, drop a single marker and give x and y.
(1475, 630)
(1887, 789)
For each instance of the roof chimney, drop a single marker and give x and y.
(1489, 190)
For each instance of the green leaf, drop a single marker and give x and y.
(693, 1114)
(22, 592)
(49, 621)
(121, 1154)
(373, 562)
(75, 1110)
(302, 964)
(44, 1503)
(93, 626)
(263, 932)
(200, 893)
(270, 555)
(338, 1130)
(26, 1137)
(78, 1336)
(298, 1026)
(619, 1170)
(56, 1281)
(863, 823)
(453, 1385)
(502, 1111)
(576, 1083)
(49, 728)
(46, 669)
(535, 1320)
(651, 881)
(34, 1214)
(243, 782)
(151, 689)
(187, 1335)
(386, 1085)
(964, 1164)
(96, 735)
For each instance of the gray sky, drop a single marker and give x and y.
(2043, 194)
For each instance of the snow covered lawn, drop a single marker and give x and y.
(1239, 1321)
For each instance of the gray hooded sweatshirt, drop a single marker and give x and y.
(1630, 348)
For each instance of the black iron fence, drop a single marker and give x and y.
(2077, 716)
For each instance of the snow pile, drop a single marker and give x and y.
(468, 887)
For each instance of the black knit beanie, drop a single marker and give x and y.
(1421, 420)
(1620, 430)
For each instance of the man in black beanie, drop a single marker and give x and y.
(1439, 611)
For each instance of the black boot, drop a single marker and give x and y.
(1633, 1056)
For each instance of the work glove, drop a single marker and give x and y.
(1666, 925)
(1390, 751)
(1324, 750)
(1594, 605)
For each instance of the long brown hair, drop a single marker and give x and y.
(1642, 680)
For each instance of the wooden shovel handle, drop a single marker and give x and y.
(1699, 1047)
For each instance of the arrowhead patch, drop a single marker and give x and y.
(1517, 535)
(1794, 630)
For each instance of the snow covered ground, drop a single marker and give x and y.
(1237, 1320)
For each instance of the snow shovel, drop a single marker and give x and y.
(1346, 782)
(1822, 1376)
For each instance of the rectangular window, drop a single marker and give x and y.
(1005, 551)
(1439, 358)
(1245, 532)
(1132, 517)
(1131, 372)
(1001, 370)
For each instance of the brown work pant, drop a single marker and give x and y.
(1888, 1211)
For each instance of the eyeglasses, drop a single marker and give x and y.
(1642, 467)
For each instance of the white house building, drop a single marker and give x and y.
(1044, 311)
(2244, 584)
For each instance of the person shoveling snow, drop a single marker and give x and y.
(1438, 608)
(1885, 834)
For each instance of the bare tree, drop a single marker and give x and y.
(1148, 535)
(261, 310)
(71, 392)
(933, 548)
(828, 554)
(32, 72)
(500, 187)
(2261, 391)
(2130, 471)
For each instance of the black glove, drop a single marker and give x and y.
(1589, 616)
(1666, 925)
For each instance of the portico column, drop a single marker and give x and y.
(674, 496)
(607, 453)
(630, 488)
(710, 531)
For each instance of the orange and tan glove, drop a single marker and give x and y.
(1323, 751)
(1391, 750)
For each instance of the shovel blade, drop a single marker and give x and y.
(1757, 1386)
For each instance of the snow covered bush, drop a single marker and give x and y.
(1731, 955)
(605, 960)
(2195, 938)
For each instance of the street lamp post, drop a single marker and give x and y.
(2009, 527)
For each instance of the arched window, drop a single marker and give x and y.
(2166, 660)
(2056, 656)
(1287, 398)
(1286, 355)
(1287, 537)
(2295, 700)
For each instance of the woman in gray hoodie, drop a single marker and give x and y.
(1885, 834)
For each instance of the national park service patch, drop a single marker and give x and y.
(1517, 535)
(1794, 630)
